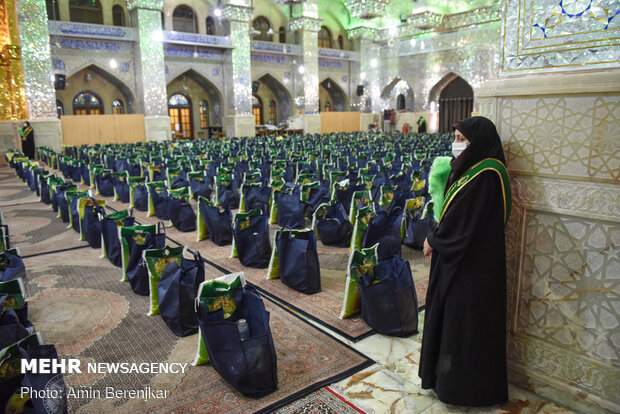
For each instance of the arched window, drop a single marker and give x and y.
(325, 37)
(183, 20)
(328, 106)
(272, 112)
(282, 35)
(52, 9)
(87, 103)
(257, 110)
(118, 16)
(210, 26)
(400, 102)
(204, 115)
(340, 42)
(60, 109)
(118, 108)
(261, 27)
(85, 11)
(180, 111)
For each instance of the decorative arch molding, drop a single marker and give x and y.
(397, 87)
(435, 92)
(340, 100)
(216, 98)
(283, 95)
(202, 9)
(131, 100)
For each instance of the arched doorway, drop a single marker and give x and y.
(398, 94)
(87, 103)
(330, 92)
(206, 99)
(184, 19)
(180, 111)
(456, 101)
(270, 90)
(261, 29)
(257, 110)
(86, 11)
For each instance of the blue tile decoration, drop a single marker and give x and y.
(93, 45)
(221, 41)
(257, 57)
(325, 63)
(59, 64)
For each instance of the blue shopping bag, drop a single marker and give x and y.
(418, 229)
(105, 184)
(50, 386)
(219, 223)
(140, 197)
(121, 188)
(137, 272)
(159, 197)
(299, 261)
(388, 297)
(257, 198)
(90, 224)
(334, 226)
(252, 240)
(111, 241)
(200, 187)
(11, 328)
(291, 210)
(181, 213)
(177, 291)
(384, 228)
(249, 364)
(11, 266)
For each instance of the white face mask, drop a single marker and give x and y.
(458, 148)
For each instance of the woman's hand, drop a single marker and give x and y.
(428, 250)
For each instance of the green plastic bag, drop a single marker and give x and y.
(82, 204)
(16, 294)
(360, 198)
(70, 196)
(159, 187)
(216, 293)
(137, 233)
(364, 215)
(118, 218)
(360, 261)
(133, 182)
(156, 261)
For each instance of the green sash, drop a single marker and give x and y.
(484, 165)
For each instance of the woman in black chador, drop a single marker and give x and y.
(27, 136)
(464, 341)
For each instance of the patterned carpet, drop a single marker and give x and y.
(323, 401)
(323, 307)
(78, 303)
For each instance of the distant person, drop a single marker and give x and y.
(421, 125)
(27, 135)
(463, 353)
(405, 128)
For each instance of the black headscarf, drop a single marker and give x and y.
(484, 143)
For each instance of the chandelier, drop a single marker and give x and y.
(366, 9)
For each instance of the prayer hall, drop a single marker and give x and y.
(309, 206)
